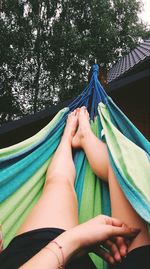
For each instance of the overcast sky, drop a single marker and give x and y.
(145, 15)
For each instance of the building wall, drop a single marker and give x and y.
(134, 101)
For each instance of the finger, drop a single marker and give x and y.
(113, 249)
(121, 244)
(105, 255)
(115, 222)
(124, 231)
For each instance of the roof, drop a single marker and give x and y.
(128, 62)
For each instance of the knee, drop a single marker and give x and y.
(59, 179)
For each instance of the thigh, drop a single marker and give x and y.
(57, 207)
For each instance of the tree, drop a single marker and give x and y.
(47, 47)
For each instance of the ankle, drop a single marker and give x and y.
(85, 136)
(66, 139)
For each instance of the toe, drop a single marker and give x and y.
(87, 113)
(76, 112)
(82, 110)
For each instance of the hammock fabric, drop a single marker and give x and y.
(23, 166)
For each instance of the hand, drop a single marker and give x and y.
(106, 232)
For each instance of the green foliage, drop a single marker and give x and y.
(47, 47)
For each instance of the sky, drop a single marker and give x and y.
(145, 15)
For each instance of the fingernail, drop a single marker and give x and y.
(112, 261)
(124, 252)
(124, 225)
(118, 258)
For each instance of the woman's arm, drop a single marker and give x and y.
(51, 256)
(89, 234)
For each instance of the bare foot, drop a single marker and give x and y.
(71, 125)
(84, 127)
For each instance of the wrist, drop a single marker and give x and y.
(70, 245)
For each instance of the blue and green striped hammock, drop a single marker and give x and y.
(23, 166)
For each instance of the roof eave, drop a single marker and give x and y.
(131, 75)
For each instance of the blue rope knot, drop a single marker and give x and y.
(95, 69)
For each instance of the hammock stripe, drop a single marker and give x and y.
(132, 173)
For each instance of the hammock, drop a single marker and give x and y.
(23, 166)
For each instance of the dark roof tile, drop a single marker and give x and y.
(140, 53)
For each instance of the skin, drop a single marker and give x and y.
(62, 209)
(97, 156)
(80, 238)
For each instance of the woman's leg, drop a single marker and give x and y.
(122, 209)
(97, 156)
(95, 150)
(57, 206)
